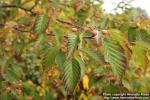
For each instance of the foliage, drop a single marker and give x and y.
(71, 74)
(71, 49)
(116, 56)
(41, 23)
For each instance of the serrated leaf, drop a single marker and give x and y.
(49, 96)
(118, 36)
(59, 36)
(94, 54)
(143, 36)
(72, 43)
(41, 23)
(87, 34)
(49, 56)
(17, 2)
(115, 55)
(111, 88)
(132, 34)
(82, 65)
(6, 96)
(12, 70)
(143, 44)
(104, 22)
(60, 59)
(81, 16)
(140, 54)
(72, 74)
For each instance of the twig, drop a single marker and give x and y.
(15, 6)
(69, 23)
(22, 30)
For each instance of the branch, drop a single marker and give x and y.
(15, 6)
(69, 23)
(30, 10)
(20, 30)
(74, 25)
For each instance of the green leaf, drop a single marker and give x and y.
(87, 34)
(41, 23)
(49, 96)
(72, 74)
(132, 34)
(104, 22)
(118, 36)
(143, 45)
(56, 3)
(140, 54)
(111, 88)
(6, 96)
(124, 28)
(17, 2)
(115, 55)
(81, 16)
(94, 80)
(49, 56)
(82, 65)
(94, 54)
(60, 59)
(12, 68)
(143, 35)
(72, 43)
(59, 36)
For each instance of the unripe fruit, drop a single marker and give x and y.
(88, 20)
(104, 67)
(105, 32)
(20, 85)
(74, 29)
(137, 25)
(8, 89)
(148, 26)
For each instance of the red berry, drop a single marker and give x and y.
(94, 33)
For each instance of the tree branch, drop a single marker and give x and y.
(69, 23)
(15, 6)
